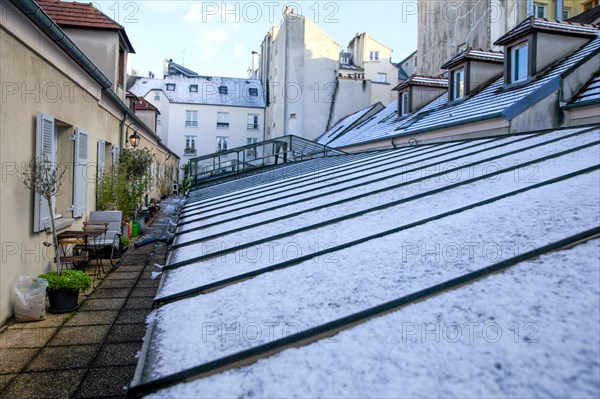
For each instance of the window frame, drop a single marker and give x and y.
(252, 90)
(170, 86)
(190, 142)
(374, 55)
(380, 75)
(514, 65)
(193, 88)
(540, 6)
(223, 90)
(222, 120)
(458, 91)
(404, 106)
(220, 141)
(191, 122)
(254, 124)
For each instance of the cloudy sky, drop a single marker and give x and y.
(216, 38)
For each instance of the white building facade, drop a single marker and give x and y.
(205, 114)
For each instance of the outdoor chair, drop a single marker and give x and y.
(107, 245)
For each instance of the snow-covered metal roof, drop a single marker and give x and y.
(326, 282)
(494, 101)
(588, 95)
(205, 90)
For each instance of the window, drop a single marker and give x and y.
(157, 96)
(222, 143)
(404, 104)
(539, 10)
(519, 63)
(190, 145)
(222, 120)
(566, 14)
(458, 84)
(191, 118)
(193, 88)
(170, 86)
(292, 116)
(382, 77)
(222, 89)
(344, 59)
(158, 119)
(252, 121)
(374, 55)
(251, 151)
(590, 4)
(253, 92)
(53, 142)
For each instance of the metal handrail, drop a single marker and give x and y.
(240, 159)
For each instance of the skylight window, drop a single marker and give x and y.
(222, 89)
(253, 92)
(519, 63)
(170, 86)
(193, 88)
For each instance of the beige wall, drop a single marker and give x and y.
(37, 77)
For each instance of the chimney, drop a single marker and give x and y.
(254, 64)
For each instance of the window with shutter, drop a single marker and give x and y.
(45, 148)
(80, 178)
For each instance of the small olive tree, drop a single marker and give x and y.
(45, 177)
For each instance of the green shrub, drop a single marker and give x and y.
(73, 280)
(125, 241)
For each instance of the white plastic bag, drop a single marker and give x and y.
(29, 298)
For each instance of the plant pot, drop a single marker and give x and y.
(63, 301)
(135, 229)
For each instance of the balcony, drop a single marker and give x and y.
(189, 152)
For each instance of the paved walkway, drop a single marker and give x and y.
(91, 352)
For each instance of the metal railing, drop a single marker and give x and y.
(256, 155)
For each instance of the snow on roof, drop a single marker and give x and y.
(542, 24)
(336, 249)
(494, 101)
(417, 80)
(476, 54)
(208, 90)
(588, 95)
(494, 333)
(343, 124)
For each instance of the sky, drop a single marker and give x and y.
(216, 38)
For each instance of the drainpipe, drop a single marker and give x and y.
(559, 9)
(123, 133)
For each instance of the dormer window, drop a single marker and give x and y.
(458, 84)
(404, 104)
(222, 89)
(170, 86)
(193, 88)
(519, 63)
(344, 59)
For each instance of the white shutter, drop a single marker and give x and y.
(44, 148)
(101, 158)
(115, 155)
(80, 178)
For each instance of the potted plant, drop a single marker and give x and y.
(44, 177)
(64, 287)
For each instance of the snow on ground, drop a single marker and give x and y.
(532, 331)
(315, 239)
(192, 331)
